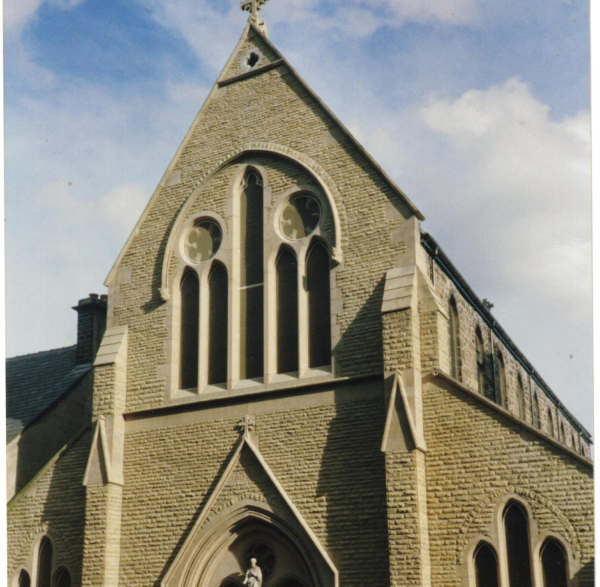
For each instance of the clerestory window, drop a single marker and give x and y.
(480, 358)
(453, 334)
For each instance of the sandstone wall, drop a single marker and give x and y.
(475, 457)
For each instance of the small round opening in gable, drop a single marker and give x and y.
(251, 59)
(300, 217)
(203, 241)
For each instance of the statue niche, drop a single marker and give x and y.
(258, 555)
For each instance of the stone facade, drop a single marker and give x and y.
(381, 469)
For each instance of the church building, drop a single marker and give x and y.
(289, 384)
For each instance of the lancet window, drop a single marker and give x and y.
(454, 339)
(550, 422)
(519, 551)
(521, 397)
(24, 579)
(44, 568)
(251, 278)
(486, 566)
(500, 379)
(536, 411)
(554, 564)
(480, 357)
(317, 285)
(218, 299)
(516, 529)
(287, 311)
(259, 306)
(190, 316)
(63, 578)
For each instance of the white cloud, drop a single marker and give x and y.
(17, 13)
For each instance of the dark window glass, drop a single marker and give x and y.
(554, 564)
(44, 563)
(536, 411)
(521, 397)
(480, 353)
(319, 313)
(500, 380)
(63, 579)
(251, 279)
(550, 423)
(454, 340)
(217, 328)
(251, 231)
(190, 316)
(287, 312)
(24, 579)
(486, 566)
(516, 528)
(290, 582)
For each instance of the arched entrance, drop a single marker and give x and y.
(281, 562)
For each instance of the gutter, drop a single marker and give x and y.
(433, 248)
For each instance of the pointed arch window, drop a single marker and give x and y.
(63, 578)
(550, 422)
(486, 566)
(190, 316)
(319, 305)
(554, 564)
(516, 531)
(44, 570)
(536, 411)
(521, 397)
(24, 579)
(251, 277)
(480, 356)
(500, 379)
(218, 299)
(453, 333)
(287, 311)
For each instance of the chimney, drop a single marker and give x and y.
(91, 324)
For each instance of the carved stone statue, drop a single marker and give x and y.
(253, 575)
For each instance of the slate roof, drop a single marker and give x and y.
(35, 381)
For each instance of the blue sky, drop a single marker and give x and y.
(479, 109)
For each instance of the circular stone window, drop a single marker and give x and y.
(203, 241)
(300, 217)
(265, 558)
(251, 59)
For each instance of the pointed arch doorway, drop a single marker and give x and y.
(281, 562)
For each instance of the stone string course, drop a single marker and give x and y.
(327, 460)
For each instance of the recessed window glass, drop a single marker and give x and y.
(300, 217)
(203, 241)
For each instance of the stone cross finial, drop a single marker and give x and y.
(252, 6)
(246, 424)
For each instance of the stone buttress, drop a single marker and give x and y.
(403, 442)
(104, 472)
